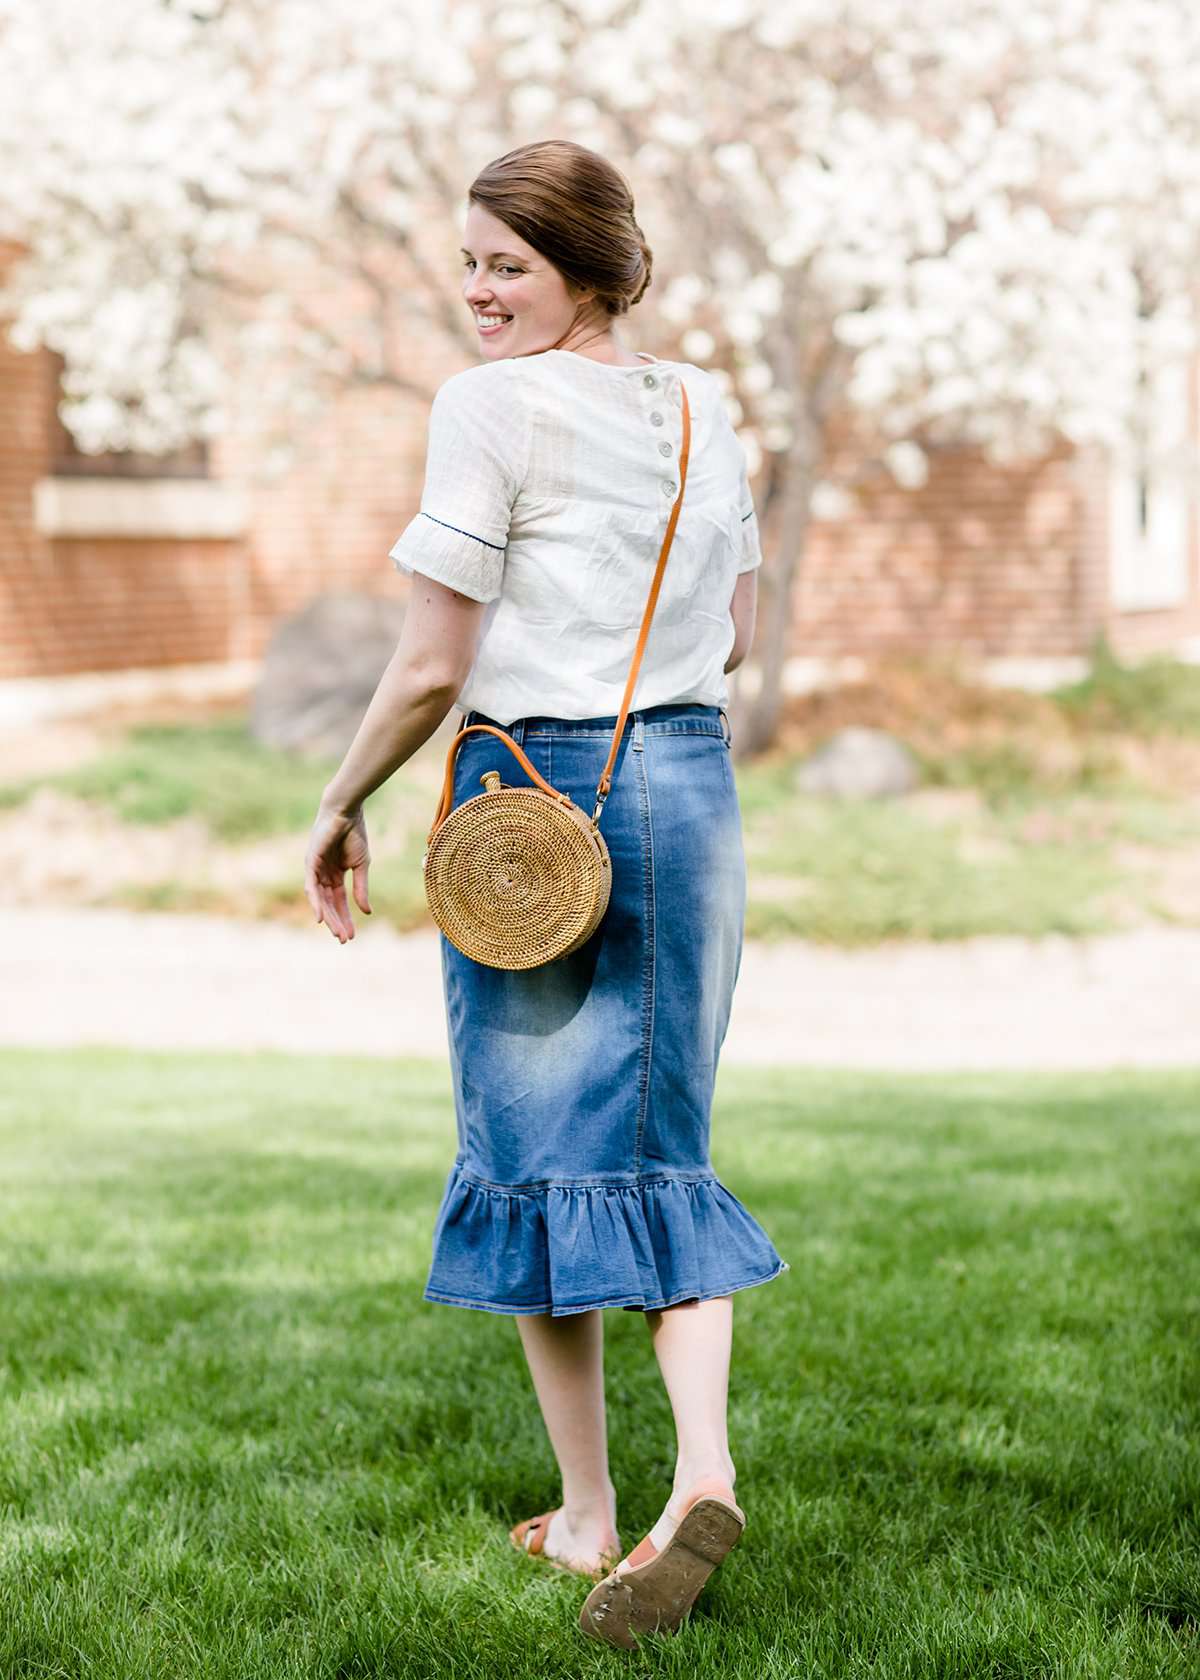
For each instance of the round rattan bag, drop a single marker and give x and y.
(516, 876)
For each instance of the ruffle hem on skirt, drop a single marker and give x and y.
(565, 1248)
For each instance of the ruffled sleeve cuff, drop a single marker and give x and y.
(451, 556)
(751, 547)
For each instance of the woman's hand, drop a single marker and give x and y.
(338, 842)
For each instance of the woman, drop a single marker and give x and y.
(583, 1087)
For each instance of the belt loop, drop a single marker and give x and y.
(639, 732)
(517, 730)
(726, 731)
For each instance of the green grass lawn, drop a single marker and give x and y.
(235, 1443)
(1074, 813)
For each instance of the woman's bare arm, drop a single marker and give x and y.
(743, 609)
(432, 661)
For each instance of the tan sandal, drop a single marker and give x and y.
(530, 1536)
(653, 1591)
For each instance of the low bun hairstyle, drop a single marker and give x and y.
(571, 205)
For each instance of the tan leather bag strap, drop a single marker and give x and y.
(605, 784)
(447, 799)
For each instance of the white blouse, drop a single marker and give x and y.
(549, 484)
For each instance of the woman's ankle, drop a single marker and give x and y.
(716, 1468)
(592, 1510)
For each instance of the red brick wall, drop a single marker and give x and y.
(26, 408)
(95, 604)
(329, 522)
(1135, 634)
(106, 604)
(981, 561)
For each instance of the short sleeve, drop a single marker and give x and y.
(474, 467)
(751, 550)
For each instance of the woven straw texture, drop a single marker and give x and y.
(514, 878)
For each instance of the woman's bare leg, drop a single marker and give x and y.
(566, 1362)
(692, 1343)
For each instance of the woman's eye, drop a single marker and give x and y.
(507, 267)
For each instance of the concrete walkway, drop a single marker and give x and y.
(73, 977)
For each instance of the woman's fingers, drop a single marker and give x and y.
(333, 901)
(334, 847)
(318, 899)
(312, 891)
(320, 890)
(330, 917)
(345, 920)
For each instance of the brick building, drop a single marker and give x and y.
(112, 563)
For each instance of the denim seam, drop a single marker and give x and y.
(538, 1186)
(691, 723)
(648, 966)
(607, 734)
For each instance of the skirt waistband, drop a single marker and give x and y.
(686, 718)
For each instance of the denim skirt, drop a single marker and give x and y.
(583, 1088)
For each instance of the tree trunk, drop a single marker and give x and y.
(754, 723)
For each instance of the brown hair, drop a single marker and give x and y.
(574, 208)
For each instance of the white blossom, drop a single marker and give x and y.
(965, 222)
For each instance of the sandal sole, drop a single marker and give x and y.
(657, 1596)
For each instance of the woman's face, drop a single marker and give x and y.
(502, 276)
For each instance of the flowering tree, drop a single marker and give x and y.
(974, 224)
